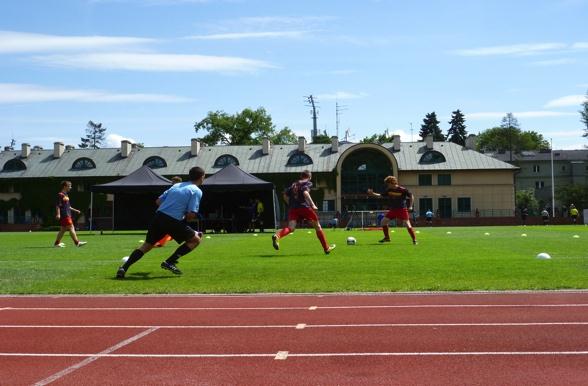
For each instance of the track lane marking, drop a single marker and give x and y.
(92, 357)
(302, 355)
(281, 356)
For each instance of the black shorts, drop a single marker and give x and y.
(162, 225)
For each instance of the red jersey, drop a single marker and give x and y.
(397, 197)
(295, 193)
(63, 204)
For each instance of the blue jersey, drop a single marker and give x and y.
(180, 199)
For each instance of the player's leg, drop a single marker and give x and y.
(320, 234)
(192, 240)
(386, 229)
(60, 234)
(74, 236)
(410, 230)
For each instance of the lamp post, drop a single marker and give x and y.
(552, 182)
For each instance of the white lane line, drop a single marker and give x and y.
(304, 325)
(311, 308)
(304, 355)
(92, 357)
(281, 356)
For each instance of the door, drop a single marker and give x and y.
(444, 207)
(424, 205)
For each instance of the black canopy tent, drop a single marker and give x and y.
(228, 193)
(136, 195)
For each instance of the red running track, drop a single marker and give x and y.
(534, 338)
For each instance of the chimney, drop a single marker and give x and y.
(58, 149)
(125, 148)
(334, 144)
(69, 147)
(429, 141)
(470, 142)
(26, 150)
(301, 144)
(396, 142)
(266, 146)
(194, 147)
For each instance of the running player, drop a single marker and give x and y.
(399, 202)
(166, 238)
(63, 211)
(178, 203)
(301, 207)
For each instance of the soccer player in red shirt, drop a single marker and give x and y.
(399, 202)
(63, 211)
(301, 207)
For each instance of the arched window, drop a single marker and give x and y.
(224, 160)
(155, 162)
(432, 157)
(299, 159)
(83, 164)
(14, 165)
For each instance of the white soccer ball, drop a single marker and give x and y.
(543, 256)
(124, 259)
(351, 241)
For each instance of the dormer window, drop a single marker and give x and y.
(432, 157)
(299, 159)
(155, 162)
(14, 165)
(83, 164)
(224, 160)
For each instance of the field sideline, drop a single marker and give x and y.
(446, 259)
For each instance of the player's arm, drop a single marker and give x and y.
(161, 198)
(58, 206)
(308, 200)
(75, 210)
(371, 193)
(193, 206)
(286, 198)
(410, 201)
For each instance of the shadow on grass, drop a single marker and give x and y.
(145, 276)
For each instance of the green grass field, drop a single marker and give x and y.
(465, 259)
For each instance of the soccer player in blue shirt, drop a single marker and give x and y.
(178, 203)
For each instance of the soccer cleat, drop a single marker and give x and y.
(328, 250)
(171, 267)
(414, 242)
(384, 240)
(81, 243)
(275, 242)
(60, 245)
(120, 274)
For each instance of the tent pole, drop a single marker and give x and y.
(276, 209)
(113, 196)
(91, 208)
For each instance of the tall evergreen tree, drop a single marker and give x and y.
(430, 126)
(457, 129)
(584, 114)
(511, 125)
(94, 136)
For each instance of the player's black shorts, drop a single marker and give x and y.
(162, 225)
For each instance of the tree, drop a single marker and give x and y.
(94, 136)
(457, 129)
(378, 138)
(248, 127)
(284, 137)
(573, 194)
(430, 126)
(509, 137)
(526, 199)
(322, 138)
(584, 115)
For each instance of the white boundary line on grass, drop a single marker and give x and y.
(91, 358)
(301, 326)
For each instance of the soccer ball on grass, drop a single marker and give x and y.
(351, 241)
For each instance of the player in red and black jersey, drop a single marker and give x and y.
(301, 207)
(399, 201)
(63, 211)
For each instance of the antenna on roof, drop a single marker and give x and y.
(312, 102)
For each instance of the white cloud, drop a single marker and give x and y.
(27, 93)
(114, 140)
(20, 42)
(342, 95)
(250, 35)
(566, 101)
(553, 62)
(154, 62)
(520, 114)
(515, 49)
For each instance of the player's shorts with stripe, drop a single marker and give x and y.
(398, 213)
(299, 214)
(65, 221)
(162, 225)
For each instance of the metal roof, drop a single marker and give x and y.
(110, 163)
(530, 155)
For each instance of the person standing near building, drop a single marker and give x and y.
(258, 210)
(574, 213)
(399, 202)
(429, 217)
(178, 203)
(545, 216)
(301, 207)
(63, 211)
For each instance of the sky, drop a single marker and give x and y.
(149, 69)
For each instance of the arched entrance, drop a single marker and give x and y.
(359, 168)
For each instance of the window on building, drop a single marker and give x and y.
(14, 165)
(563, 168)
(155, 162)
(432, 157)
(298, 159)
(425, 179)
(535, 168)
(224, 160)
(464, 204)
(362, 168)
(444, 179)
(539, 184)
(83, 164)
